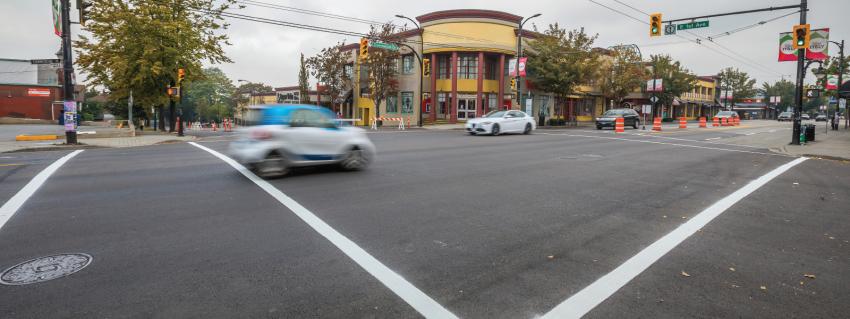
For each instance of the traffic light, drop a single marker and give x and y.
(83, 8)
(174, 91)
(181, 73)
(364, 48)
(513, 84)
(655, 25)
(802, 34)
(426, 68)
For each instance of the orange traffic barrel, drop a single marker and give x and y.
(724, 122)
(656, 124)
(715, 122)
(702, 122)
(683, 122)
(620, 125)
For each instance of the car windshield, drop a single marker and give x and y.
(496, 114)
(785, 114)
(614, 113)
(724, 113)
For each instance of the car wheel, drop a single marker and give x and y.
(637, 123)
(354, 160)
(527, 129)
(599, 127)
(495, 130)
(471, 133)
(274, 165)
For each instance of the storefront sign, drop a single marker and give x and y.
(38, 92)
(818, 45)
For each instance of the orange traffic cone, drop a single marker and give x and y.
(619, 125)
(702, 123)
(656, 124)
(715, 122)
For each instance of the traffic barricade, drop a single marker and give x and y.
(620, 125)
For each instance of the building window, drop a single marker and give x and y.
(407, 64)
(490, 69)
(349, 70)
(467, 66)
(443, 103)
(392, 103)
(443, 67)
(507, 67)
(407, 102)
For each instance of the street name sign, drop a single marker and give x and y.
(383, 45)
(692, 25)
(44, 61)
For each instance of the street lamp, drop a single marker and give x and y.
(840, 80)
(518, 56)
(421, 64)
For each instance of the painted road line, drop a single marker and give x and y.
(713, 138)
(13, 204)
(671, 144)
(424, 304)
(588, 298)
(5, 165)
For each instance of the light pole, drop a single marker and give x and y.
(840, 79)
(518, 56)
(421, 65)
(820, 75)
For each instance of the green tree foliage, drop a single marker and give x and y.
(784, 89)
(622, 74)
(242, 94)
(328, 67)
(138, 45)
(382, 66)
(561, 60)
(304, 81)
(676, 79)
(210, 97)
(738, 82)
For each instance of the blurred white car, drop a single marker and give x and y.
(300, 135)
(498, 122)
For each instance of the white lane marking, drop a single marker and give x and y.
(671, 144)
(13, 204)
(408, 292)
(588, 298)
(713, 138)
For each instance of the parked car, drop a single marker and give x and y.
(300, 135)
(785, 116)
(727, 114)
(805, 117)
(821, 118)
(609, 118)
(498, 122)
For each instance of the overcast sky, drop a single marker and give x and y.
(269, 54)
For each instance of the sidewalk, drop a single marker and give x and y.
(112, 142)
(831, 145)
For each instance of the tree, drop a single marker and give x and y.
(784, 89)
(303, 81)
(738, 83)
(676, 80)
(623, 74)
(210, 97)
(328, 67)
(138, 45)
(561, 60)
(382, 66)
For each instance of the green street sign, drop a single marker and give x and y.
(692, 25)
(383, 45)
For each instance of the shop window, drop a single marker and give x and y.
(392, 103)
(443, 67)
(467, 66)
(407, 102)
(407, 64)
(491, 69)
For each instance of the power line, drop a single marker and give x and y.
(740, 58)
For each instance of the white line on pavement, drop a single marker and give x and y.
(671, 144)
(424, 304)
(588, 298)
(13, 204)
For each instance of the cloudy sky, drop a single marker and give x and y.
(269, 54)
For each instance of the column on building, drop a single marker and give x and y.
(479, 110)
(435, 104)
(501, 99)
(453, 104)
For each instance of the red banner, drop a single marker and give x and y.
(521, 66)
(786, 47)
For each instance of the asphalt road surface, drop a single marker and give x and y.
(561, 223)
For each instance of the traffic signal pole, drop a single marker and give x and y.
(67, 73)
(801, 73)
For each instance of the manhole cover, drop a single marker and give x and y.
(44, 269)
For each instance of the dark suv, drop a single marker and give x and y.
(608, 119)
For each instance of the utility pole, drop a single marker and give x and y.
(519, 56)
(69, 104)
(798, 97)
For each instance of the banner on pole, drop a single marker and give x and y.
(818, 45)
(832, 82)
(786, 47)
(57, 18)
(659, 85)
(521, 66)
(512, 67)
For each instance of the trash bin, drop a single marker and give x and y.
(810, 132)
